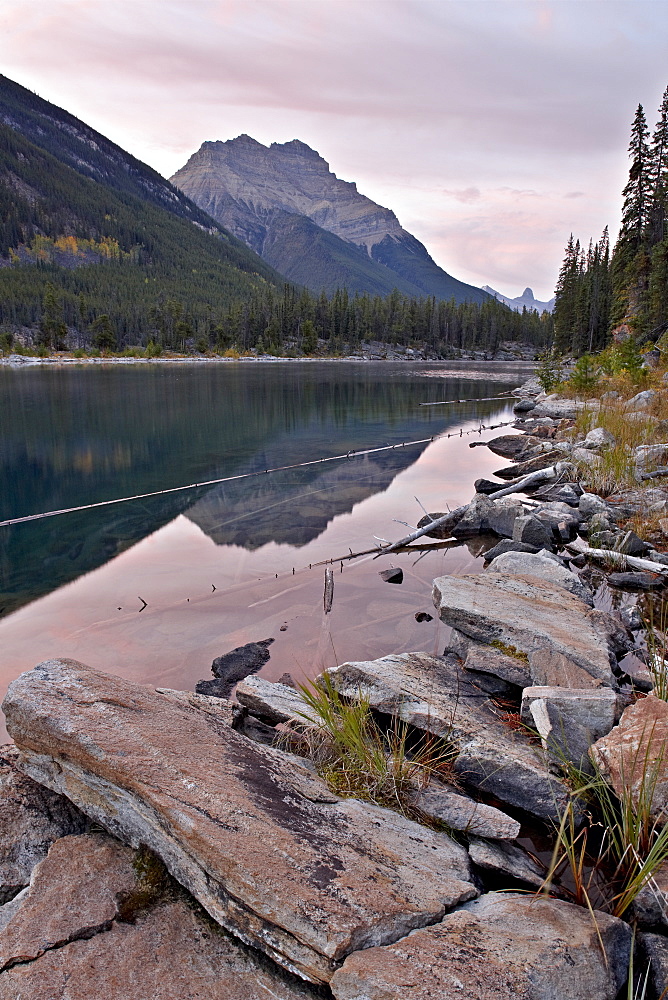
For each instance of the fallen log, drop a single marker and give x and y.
(620, 560)
(423, 531)
(548, 475)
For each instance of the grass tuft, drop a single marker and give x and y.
(356, 758)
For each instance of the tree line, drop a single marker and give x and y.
(599, 292)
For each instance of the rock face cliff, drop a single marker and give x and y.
(268, 195)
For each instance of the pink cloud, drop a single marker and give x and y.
(418, 102)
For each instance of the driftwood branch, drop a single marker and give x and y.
(439, 522)
(657, 474)
(549, 475)
(621, 561)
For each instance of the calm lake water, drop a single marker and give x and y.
(220, 566)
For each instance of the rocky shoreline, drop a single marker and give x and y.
(160, 844)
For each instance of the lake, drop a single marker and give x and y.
(155, 589)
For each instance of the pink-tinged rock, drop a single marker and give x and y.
(90, 872)
(98, 923)
(500, 947)
(253, 835)
(31, 818)
(633, 756)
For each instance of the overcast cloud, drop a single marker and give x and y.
(491, 128)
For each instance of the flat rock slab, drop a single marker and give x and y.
(459, 812)
(633, 755)
(97, 922)
(31, 818)
(273, 701)
(434, 694)
(499, 947)
(506, 859)
(260, 842)
(528, 564)
(527, 613)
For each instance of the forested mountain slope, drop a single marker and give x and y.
(109, 237)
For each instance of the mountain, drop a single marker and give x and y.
(526, 299)
(264, 194)
(107, 234)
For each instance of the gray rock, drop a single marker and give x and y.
(261, 843)
(650, 906)
(524, 406)
(484, 516)
(526, 564)
(459, 812)
(510, 860)
(590, 504)
(502, 516)
(559, 409)
(631, 545)
(654, 949)
(445, 529)
(586, 455)
(631, 617)
(273, 701)
(432, 693)
(569, 720)
(611, 630)
(599, 437)
(647, 455)
(533, 531)
(529, 614)
(598, 522)
(31, 819)
(551, 669)
(504, 946)
(508, 545)
(511, 445)
(641, 401)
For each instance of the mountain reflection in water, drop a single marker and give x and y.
(79, 436)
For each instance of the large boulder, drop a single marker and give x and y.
(434, 694)
(31, 818)
(529, 614)
(102, 921)
(263, 845)
(557, 408)
(499, 947)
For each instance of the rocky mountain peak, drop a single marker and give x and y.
(527, 294)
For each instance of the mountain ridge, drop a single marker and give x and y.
(526, 299)
(241, 183)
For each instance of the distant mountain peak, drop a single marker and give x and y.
(244, 184)
(525, 300)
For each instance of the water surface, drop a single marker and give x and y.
(223, 565)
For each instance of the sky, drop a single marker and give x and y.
(491, 128)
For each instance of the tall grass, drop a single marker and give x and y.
(621, 846)
(615, 467)
(355, 757)
(655, 621)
